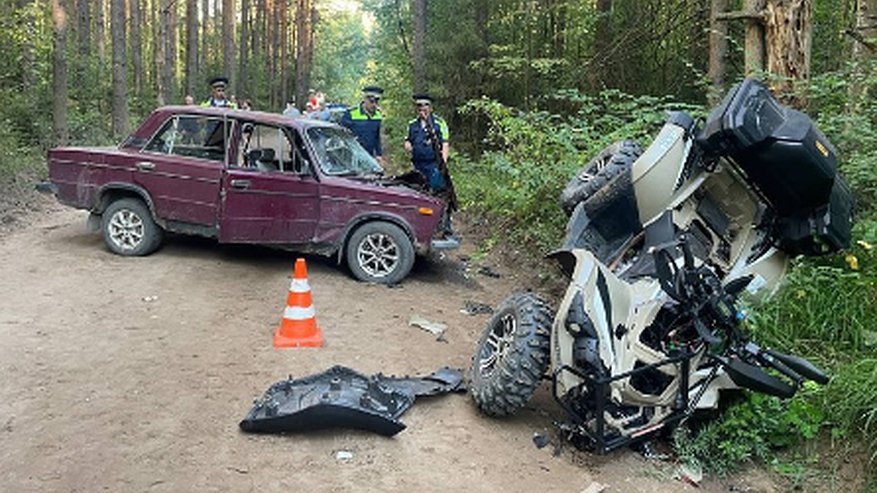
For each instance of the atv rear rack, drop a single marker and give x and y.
(598, 388)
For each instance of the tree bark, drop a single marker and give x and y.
(303, 18)
(120, 69)
(788, 35)
(228, 13)
(163, 43)
(419, 48)
(28, 57)
(753, 56)
(718, 51)
(864, 50)
(59, 73)
(204, 55)
(243, 54)
(191, 46)
(83, 29)
(100, 32)
(284, 54)
(598, 73)
(136, 48)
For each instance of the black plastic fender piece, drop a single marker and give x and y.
(343, 398)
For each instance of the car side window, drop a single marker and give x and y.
(266, 148)
(191, 136)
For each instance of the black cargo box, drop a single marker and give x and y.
(826, 229)
(779, 149)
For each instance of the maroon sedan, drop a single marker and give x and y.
(250, 177)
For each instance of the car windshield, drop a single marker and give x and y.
(339, 153)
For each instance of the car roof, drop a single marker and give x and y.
(259, 116)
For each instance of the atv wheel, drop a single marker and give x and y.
(512, 355)
(608, 164)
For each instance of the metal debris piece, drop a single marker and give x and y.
(343, 398)
(435, 328)
(475, 308)
(540, 440)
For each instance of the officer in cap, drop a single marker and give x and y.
(218, 98)
(421, 145)
(365, 121)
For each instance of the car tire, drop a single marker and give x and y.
(512, 355)
(128, 228)
(380, 252)
(600, 170)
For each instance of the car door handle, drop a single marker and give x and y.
(145, 166)
(242, 184)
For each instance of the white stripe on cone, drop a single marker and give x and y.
(298, 313)
(299, 286)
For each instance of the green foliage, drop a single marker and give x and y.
(340, 55)
(533, 154)
(751, 430)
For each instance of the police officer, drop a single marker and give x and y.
(420, 142)
(218, 99)
(365, 121)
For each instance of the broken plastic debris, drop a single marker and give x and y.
(343, 455)
(595, 487)
(540, 440)
(689, 473)
(150, 299)
(435, 328)
(343, 398)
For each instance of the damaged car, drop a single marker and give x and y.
(250, 177)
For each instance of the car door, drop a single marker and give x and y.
(181, 168)
(269, 192)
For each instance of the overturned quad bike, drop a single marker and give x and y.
(660, 245)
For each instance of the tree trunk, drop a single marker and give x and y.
(205, 37)
(864, 50)
(788, 34)
(28, 57)
(284, 65)
(303, 18)
(753, 55)
(718, 51)
(228, 13)
(59, 73)
(83, 29)
(120, 69)
(191, 46)
(162, 55)
(419, 48)
(136, 49)
(601, 66)
(100, 31)
(273, 51)
(243, 74)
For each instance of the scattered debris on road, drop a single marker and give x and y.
(150, 299)
(343, 398)
(435, 328)
(485, 270)
(595, 487)
(475, 308)
(689, 473)
(343, 455)
(540, 440)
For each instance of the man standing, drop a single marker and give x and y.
(426, 134)
(365, 121)
(428, 145)
(218, 99)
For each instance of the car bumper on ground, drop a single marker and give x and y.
(449, 243)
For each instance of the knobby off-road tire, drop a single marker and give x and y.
(128, 228)
(606, 165)
(512, 355)
(380, 252)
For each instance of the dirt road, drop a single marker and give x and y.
(131, 374)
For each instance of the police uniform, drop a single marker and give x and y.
(423, 153)
(366, 127)
(217, 82)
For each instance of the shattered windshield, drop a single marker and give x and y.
(339, 153)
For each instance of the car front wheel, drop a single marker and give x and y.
(128, 228)
(380, 252)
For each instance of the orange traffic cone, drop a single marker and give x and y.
(298, 327)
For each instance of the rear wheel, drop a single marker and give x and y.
(609, 163)
(380, 252)
(128, 228)
(512, 355)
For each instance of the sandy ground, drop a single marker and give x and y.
(131, 374)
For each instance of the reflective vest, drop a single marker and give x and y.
(422, 149)
(219, 104)
(366, 128)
